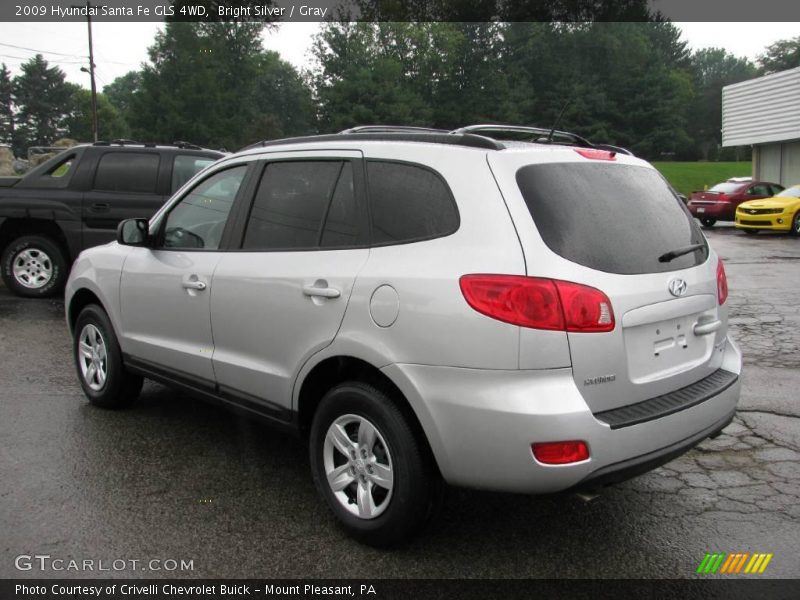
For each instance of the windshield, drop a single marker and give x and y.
(725, 188)
(610, 217)
(792, 192)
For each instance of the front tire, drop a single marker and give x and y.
(98, 360)
(795, 230)
(707, 222)
(34, 266)
(373, 471)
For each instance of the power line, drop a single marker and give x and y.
(41, 51)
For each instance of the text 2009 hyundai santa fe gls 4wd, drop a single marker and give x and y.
(426, 308)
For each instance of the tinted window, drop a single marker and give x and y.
(614, 218)
(291, 205)
(185, 167)
(776, 189)
(127, 172)
(341, 224)
(760, 189)
(198, 220)
(408, 203)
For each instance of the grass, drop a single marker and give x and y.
(687, 177)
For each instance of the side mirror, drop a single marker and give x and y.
(133, 232)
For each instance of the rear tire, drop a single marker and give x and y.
(707, 222)
(381, 486)
(34, 266)
(98, 360)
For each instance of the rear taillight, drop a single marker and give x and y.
(560, 453)
(539, 303)
(722, 283)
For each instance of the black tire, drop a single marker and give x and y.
(707, 222)
(417, 485)
(44, 257)
(795, 229)
(120, 388)
(750, 231)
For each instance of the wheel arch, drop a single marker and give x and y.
(332, 370)
(12, 228)
(80, 300)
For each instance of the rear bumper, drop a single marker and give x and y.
(481, 425)
(720, 212)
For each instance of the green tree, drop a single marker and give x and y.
(203, 83)
(121, 91)
(42, 97)
(6, 106)
(111, 125)
(713, 69)
(782, 55)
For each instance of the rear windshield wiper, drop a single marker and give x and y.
(673, 254)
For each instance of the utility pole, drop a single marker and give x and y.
(90, 70)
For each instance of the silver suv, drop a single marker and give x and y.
(424, 307)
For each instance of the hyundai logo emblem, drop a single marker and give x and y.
(677, 287)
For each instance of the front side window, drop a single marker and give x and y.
(127, 172)
(198, 220)
(185, 167)
(303, 204)
(409, 203)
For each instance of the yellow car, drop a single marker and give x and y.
(779, 213)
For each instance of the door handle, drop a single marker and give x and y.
(194, 285)
(707, 327)
(99, 207)
(321, 292)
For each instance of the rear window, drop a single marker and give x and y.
(612, 218)
(725, 188)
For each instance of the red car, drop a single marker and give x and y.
(720, 202)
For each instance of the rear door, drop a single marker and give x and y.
(125, 186)
(605, 223)
(282, 296)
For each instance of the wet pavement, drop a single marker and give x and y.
(176, 479)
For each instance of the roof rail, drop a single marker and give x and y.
(125, 142)
(186, 145)
(392, 129)
(542, 135)
(612, 148)
(452, 139)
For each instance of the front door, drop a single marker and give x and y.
(165, 290)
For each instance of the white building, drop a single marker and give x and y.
(765, 113)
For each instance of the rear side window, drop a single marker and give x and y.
(185, 167)
(303, 204)
(62, 168)
(409, 203)
(613, 218)
(127, 172)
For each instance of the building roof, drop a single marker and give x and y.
(762, 110)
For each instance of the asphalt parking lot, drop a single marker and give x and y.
(174, 478)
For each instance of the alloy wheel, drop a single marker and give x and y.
(93, 357)
(358, 466)
(32, 268)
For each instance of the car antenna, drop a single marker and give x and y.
(558, 120)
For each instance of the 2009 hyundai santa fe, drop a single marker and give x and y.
(425, 307)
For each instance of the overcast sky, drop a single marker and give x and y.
(121, 47)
